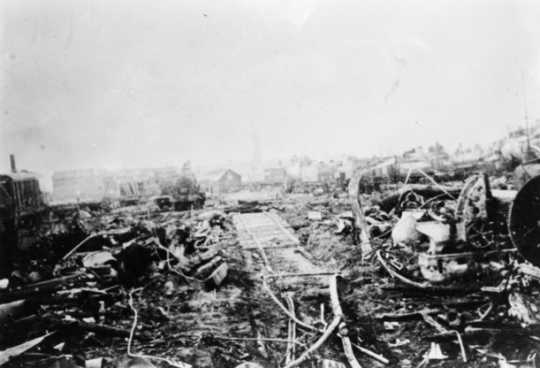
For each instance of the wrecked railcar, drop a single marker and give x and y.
(21, 210)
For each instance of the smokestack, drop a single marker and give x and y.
(12, 163)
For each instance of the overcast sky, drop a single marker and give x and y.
(102, 83)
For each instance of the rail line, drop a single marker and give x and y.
(274, 239)
(283, 260)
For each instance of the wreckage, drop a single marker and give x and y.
(459, 224)
(72, 290)
(293, 281)
(21, 212)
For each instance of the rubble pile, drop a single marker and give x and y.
(167, 264)
(416, 275)
(423, 295)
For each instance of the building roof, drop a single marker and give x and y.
(19, 176)
(215, 175)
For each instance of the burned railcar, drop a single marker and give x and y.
(21, 209)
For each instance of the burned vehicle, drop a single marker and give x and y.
(161, 202)
(186, 193)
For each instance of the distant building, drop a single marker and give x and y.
(165, 175)
(221, 181)
(467, 157)
(97, 185)
(79, 185)
(438, 157)
(135, 183)
(349, 166)
(326, 172)
(309, 173)
(406, 165)
(302, 169)
(277, 175)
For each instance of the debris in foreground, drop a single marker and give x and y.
(426, 274)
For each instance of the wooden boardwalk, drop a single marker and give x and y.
(264, 229)
(269, 234)
(286, 267)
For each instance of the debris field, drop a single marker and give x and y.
(418, 275)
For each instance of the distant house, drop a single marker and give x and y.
(135, 183)
(277, 175)
(221, 181)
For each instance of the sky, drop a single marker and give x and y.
(141, 83)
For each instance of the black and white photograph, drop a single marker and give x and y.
(269, 183)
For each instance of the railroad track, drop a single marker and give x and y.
(284, 261)
(274, 239)
(264, 229)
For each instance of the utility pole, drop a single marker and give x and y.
(528, 153)
(12, 163)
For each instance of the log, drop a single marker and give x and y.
(405, 316)
(14, 351)
(285, 310)
(320, 341)
(90, 327)
(40, 288)
(293, 274)
(206, 269)
(291, 344)
(217, 276)
(11, 310)
(338, 313)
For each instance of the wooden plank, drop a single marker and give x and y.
(265, 230)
